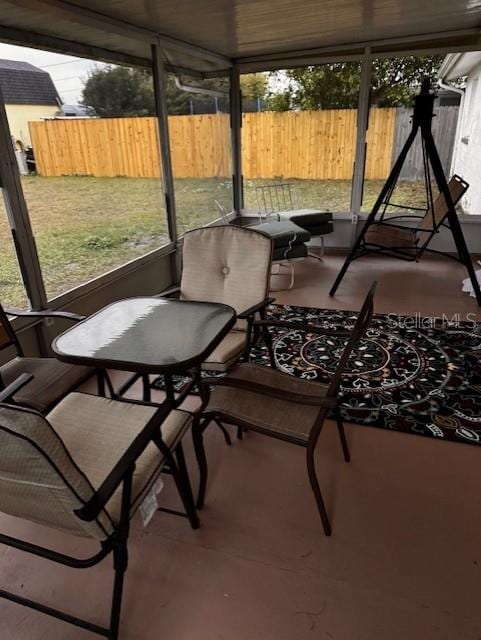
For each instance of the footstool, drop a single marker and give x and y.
(318, 223)
(289, 241)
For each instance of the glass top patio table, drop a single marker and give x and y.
(147, 335)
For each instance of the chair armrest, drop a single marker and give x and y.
(66, 315)
(125, 465)
(15, 386)
(309, 328)
(256, 307)
(168, 293)
(262, 389)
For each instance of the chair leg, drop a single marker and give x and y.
(268, 340)
(240, 433)
(311, 470)
(146, 395)
(227, 437)
(182, 482)
(198, 437)
(342, 436)
(100, 383)
(250, 340)
(293, 276)
(321, 253)
(110, 385)
(120, 567)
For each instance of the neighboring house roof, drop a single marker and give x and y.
(457, 65)
(22, 83)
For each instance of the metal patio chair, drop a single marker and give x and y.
(52, 379)
(279, 405)
(230, 265)
(84, 469)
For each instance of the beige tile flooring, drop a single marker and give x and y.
(404, 560)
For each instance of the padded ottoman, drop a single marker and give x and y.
(289, 238)
(318, 223)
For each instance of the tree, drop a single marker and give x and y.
(280, 101)
(396, 81)
(253, 85)
(113, 91)
(336, 85)
(119, 91)
(178, 102)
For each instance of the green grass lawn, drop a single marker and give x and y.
(84, 226)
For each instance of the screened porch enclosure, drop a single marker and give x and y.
(115, 165)
(196, 335)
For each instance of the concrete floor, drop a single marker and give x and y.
(404, 560)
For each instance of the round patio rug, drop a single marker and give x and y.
(418, 375)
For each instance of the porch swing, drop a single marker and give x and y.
(389, 235)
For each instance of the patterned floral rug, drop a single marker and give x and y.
(413, 374)
(418, 374)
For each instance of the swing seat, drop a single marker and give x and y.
(389, 236)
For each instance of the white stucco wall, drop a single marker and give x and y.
(467, 155)
(19, 115)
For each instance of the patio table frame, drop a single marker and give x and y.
(142, 370)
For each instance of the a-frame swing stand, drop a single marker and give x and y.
(421, 123)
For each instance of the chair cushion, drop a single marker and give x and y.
(269, 415)
(434, 216)
(390, 237)
(227, 264)
(227, 352)
(97, 431)
(283, 232)
(39, 481)
(52, 380)
(316, 222)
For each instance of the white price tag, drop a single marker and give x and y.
(150, 504)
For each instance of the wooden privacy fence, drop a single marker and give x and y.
(443, 128)
(109, 147)
(317, 145)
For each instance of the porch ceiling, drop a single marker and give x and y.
(218, 31)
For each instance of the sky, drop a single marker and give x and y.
(67, 72)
